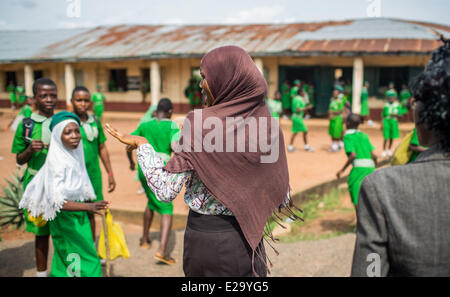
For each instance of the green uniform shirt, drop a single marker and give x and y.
(405, 95)
(285, 96)
(391, 109)
(298, 101)
(391, 93)
(93, 135)
(160, 134)
(98, 99)
(274, 107)
(19, 145)
(358, 142)
(294, 92)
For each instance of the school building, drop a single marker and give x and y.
(135, 65)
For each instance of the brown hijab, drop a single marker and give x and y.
(252, 190)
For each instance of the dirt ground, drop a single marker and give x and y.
(306, 169)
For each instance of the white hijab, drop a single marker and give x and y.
(63, 177)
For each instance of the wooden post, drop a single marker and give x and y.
(29, 79)
(155, 82)
(69, 76)
(358, 77)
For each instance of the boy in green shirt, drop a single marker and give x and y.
(391, 112)
(293, 93)
(298, 125)
(405, 96)
(98, 98)
(286, 97)
(192, 92)
(274, 105)
(31, 146)
(12, 95)
(93, 139)
(163, 134)
(365, 110)
(360, 153)
(336, 126)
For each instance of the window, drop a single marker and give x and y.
(79, 77)
(11, 79)
(117, 80)
(37, 74)
(145, 79)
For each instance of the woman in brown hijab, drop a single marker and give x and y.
(232, 187)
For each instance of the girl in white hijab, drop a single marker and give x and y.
(58, 194)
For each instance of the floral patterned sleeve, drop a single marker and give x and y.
(164, 184)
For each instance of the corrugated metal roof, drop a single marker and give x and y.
(366, 36)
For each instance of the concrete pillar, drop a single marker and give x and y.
(155, 82)
(358, 80)
(29, 79)
(69, 77)
(260, 65)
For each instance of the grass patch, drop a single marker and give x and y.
(314, 209)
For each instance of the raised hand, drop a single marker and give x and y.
(132, 141)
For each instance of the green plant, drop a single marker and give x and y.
(10, 214)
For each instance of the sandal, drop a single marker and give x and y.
(167, 260)
(145, 245)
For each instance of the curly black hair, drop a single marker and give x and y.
(432, 89)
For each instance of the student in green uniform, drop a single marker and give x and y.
(286, 97)
(336, 126)
(365, 111)
(31, 147)
(391, 112)
(94, 146)
(299, 107)
(360, 154)
(163, 135)
(391, 90)
(58, 194)
(415, 147)
(12, 95)
(99, 102)
(274, 105)
(405, 98)
(192, 92)
(309, 89)
(20, 91)
(293, 93)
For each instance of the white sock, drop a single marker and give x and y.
(306, 146)
(41, 273)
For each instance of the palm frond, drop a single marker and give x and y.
(10, 214)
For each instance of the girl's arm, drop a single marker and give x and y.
(351, 158)
(104, 156)
(95, 207)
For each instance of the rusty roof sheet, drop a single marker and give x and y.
(365, 36)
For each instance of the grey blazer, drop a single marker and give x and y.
(403, 213)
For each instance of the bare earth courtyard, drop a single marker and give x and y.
(323, 257)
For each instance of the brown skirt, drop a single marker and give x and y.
(214, 246)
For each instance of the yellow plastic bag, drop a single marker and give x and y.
(37, 221)
(403, 153)
(117, 244)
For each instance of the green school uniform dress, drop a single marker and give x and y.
(293, 93)
(404, 97)
(365, 101)
(73, 245)
(98, 99)
(20, 90)
(298, 125)
(160, 134)
(193, 94)
(12, 94)
(274, 107)
(390, 121)
(40, 131)
(358, 142)
(93, 135)
(285, 96)
(336, 123)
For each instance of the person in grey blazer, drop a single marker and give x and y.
(403, 212)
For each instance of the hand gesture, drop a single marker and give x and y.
(132, 141)
(111, 183)
(36, 145)
(98, 207)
